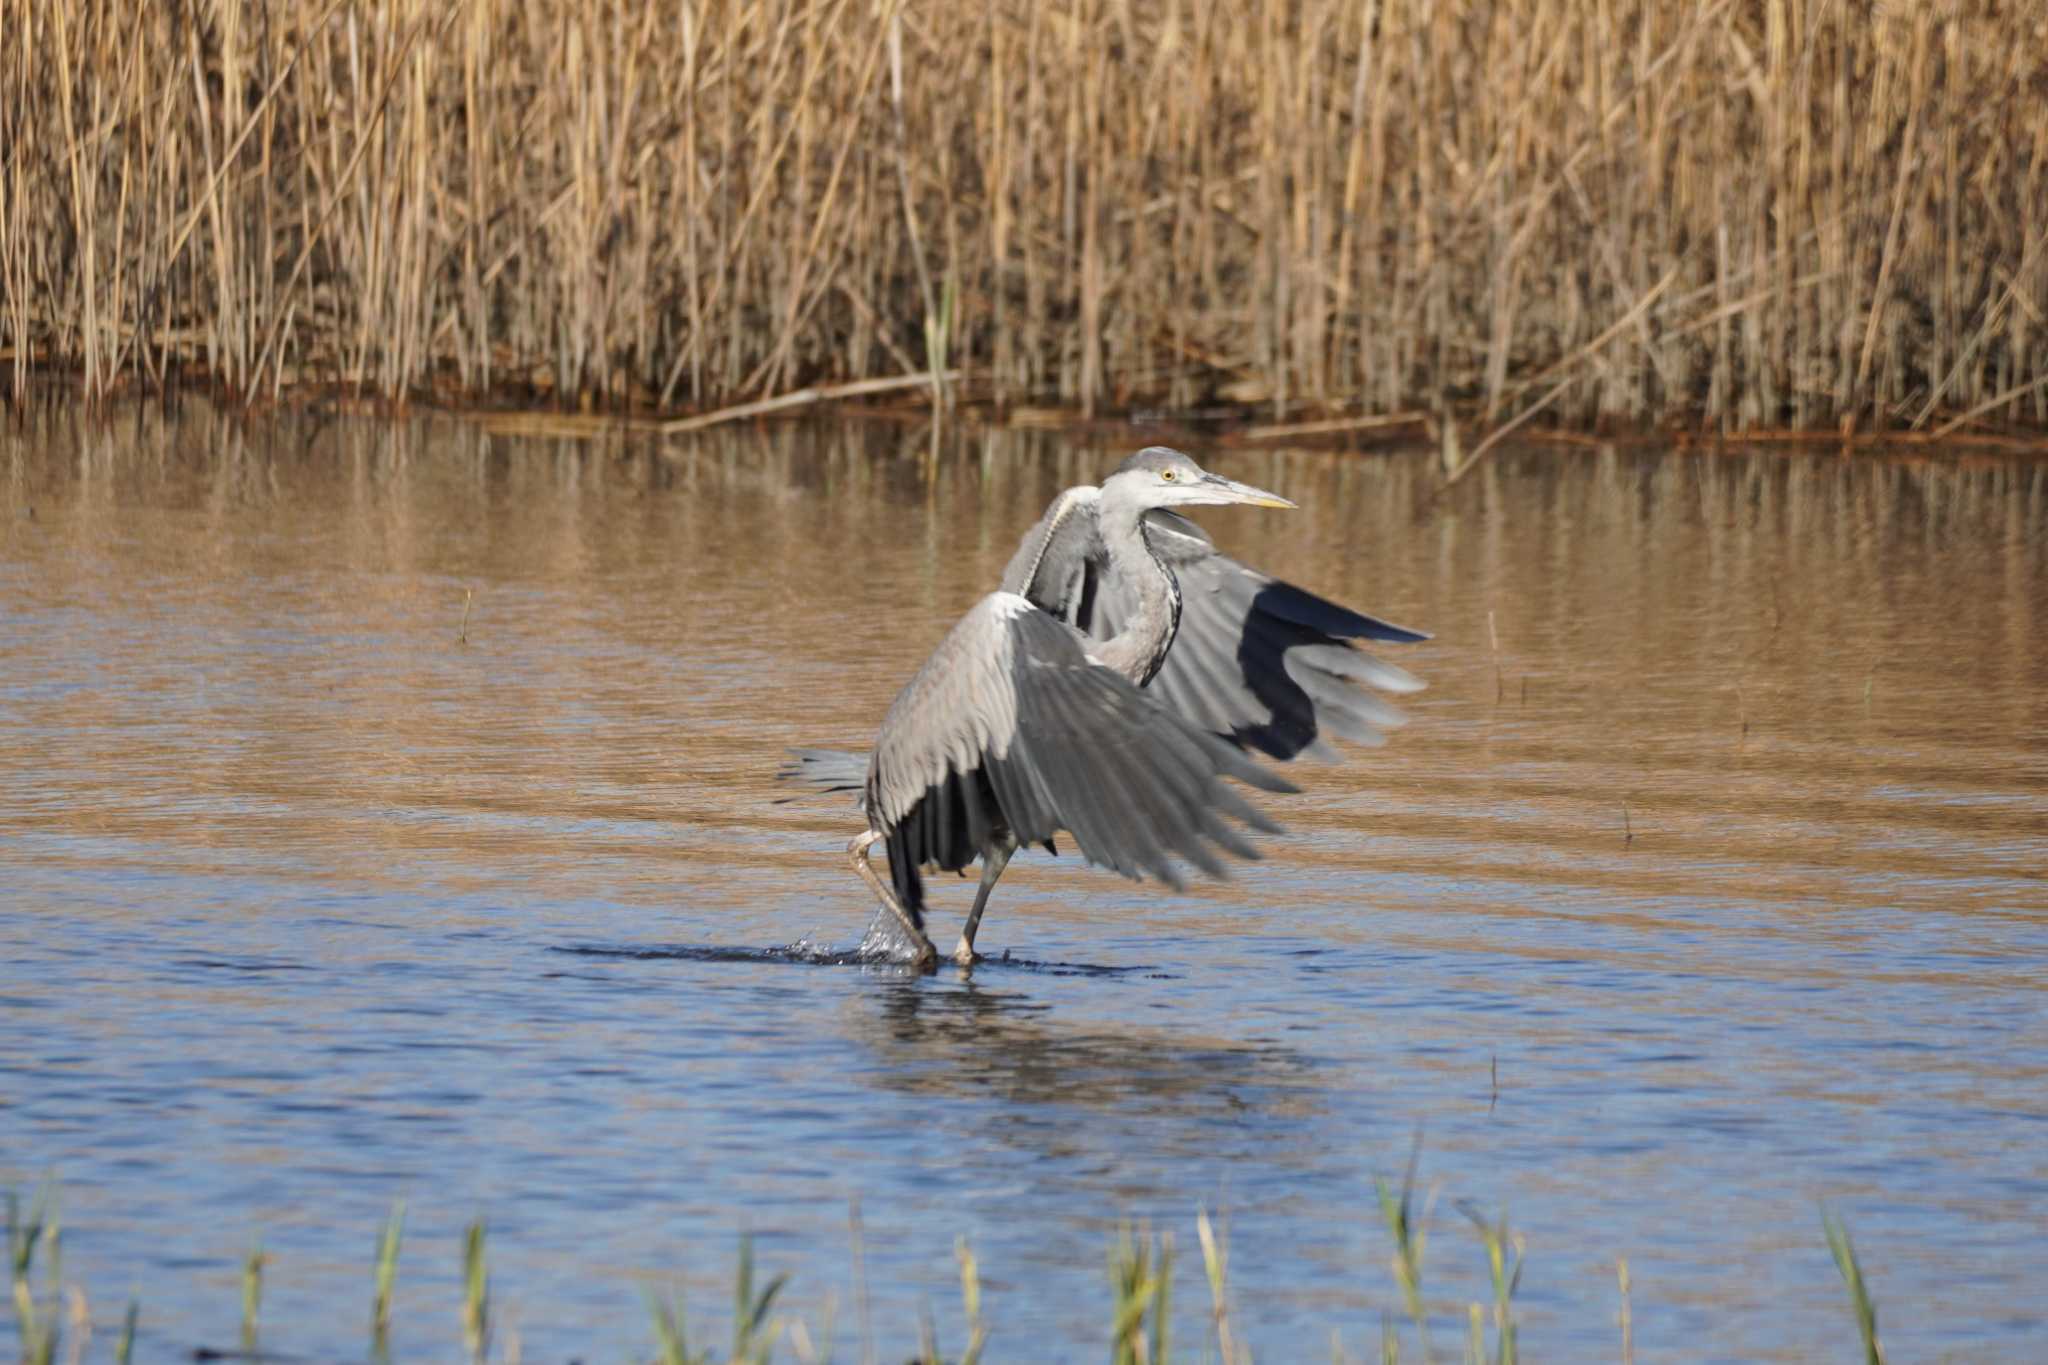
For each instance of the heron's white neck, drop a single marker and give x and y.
(1140, 647)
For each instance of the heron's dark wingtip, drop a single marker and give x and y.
(1302, 607)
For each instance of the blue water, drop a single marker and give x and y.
(1718, 891)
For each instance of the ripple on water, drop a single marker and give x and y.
(1697, 901)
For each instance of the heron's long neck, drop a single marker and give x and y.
(1140, 647)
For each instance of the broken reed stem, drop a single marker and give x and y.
(1501, 432)
(1279, 431)
(1754, 217)
(805, 397)
(1949, 428)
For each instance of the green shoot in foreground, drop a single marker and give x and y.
(1138, 1306)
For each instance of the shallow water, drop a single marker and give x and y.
(388, 814)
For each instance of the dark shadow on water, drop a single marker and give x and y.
(1188, 1089)
(1008, 962)
(806, 954)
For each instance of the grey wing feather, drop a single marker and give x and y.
(1052, 562)
(960, 706)
(1011, 724)
(1133, 782)
(1268, 665)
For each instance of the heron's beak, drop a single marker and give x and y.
(1229, 490)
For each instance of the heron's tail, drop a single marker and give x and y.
(828, 770)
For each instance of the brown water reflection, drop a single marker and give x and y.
(1731, 855)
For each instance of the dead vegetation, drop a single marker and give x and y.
(1737, 214)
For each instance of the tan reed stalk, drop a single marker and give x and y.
(1326, 208)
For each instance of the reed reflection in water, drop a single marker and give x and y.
(388, 813)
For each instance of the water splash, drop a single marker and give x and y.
(885, 941)
(883, 945)
(879, 950)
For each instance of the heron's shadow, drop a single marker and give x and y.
(1036, 1050)
(1021, 1058)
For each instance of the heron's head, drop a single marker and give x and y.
(1159, 477)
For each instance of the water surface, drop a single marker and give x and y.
(388, 814)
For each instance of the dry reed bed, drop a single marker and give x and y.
(1766, 213)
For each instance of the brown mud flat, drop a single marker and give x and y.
(1780, 216)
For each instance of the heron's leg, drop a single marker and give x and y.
(927, 956)
(994, 859)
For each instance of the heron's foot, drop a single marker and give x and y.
(926, 956)
(924, 953)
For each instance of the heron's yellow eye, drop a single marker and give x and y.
(1168, 475)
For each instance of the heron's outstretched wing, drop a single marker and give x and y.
(1264, 663)
(1011, 725)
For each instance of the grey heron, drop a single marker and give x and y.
(1123, 671)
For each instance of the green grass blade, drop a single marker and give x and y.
(124, 1346)
(671, 1331)
(252, 1296)
(386, 1277)
(476, 1301)
(970, 1301)
(1859, 1289)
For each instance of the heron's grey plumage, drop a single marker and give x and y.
(1257, 660)
(1011, 727)
(1110, 689)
